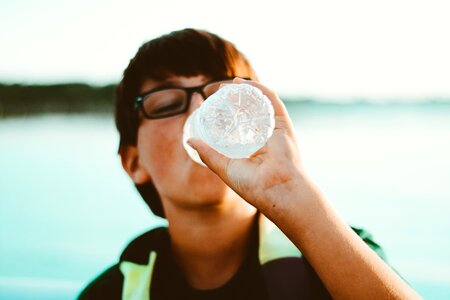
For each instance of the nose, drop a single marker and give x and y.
(196, 101)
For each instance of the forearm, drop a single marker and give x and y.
(345, 264)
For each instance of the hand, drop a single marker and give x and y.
(270, 172)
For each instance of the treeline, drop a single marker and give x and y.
(16, 99)
(22, 100)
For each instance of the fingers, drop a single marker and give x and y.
(282, 119)
(278, 106)
(216, 161)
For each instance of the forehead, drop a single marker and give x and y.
(149, 84)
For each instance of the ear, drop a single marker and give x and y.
(131, 163)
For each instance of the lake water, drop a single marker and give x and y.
(68, 209)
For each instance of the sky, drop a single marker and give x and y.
(384, 49)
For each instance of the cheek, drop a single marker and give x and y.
(159, 144)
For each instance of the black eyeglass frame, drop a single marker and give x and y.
(139, 101)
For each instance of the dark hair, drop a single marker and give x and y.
(187, 52)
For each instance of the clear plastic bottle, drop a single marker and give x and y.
(237, 120)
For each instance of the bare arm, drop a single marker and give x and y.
(274, 181)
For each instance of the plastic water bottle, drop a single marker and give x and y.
(237, 120)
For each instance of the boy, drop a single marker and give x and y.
(219, 243)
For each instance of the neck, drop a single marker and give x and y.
(211, 244)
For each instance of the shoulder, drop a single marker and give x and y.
(287, 273)
(108, 285)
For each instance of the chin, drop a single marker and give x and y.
(210, 191)
(205, 187)
(201, 200)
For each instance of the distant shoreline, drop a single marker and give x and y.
(23, 100)
(19, 100)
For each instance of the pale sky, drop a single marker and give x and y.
(384, 49)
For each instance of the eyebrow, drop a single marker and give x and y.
(169, 83)
(159, 85)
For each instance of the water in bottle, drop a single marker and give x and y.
(237, 120)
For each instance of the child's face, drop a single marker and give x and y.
(179, 180)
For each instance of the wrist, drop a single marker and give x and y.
(294, 198)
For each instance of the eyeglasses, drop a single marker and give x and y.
(169, 101)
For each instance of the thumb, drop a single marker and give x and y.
(216, 161)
